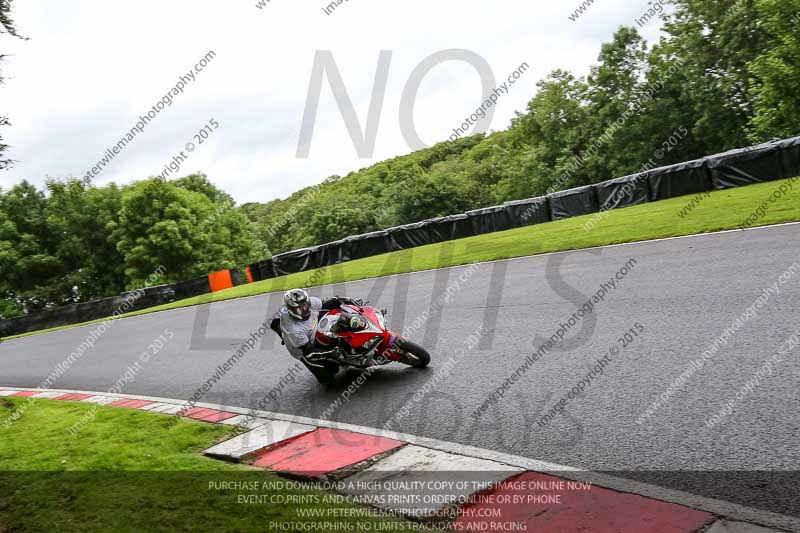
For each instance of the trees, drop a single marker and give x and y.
(9, 304)
(6, 26)
(177, 226)
(90, 266)
(55, 247)
(715, 42)
(775, 88)
(430, 198)
(74, 242)
(557, 118)
(199, 183)
(614, 90)
(727, 71)
(26, 251)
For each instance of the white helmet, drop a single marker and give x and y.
(297, 303)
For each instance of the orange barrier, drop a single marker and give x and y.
(249, 275)
(220, 281)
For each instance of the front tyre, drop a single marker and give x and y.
(412, 354)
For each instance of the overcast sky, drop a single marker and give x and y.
(91, 68)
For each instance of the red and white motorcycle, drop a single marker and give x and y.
(365, 341)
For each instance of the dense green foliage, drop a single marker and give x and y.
(725, 74)
(75, 242)
(776, 99)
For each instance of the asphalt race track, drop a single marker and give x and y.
(683, 292)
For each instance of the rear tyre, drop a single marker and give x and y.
(412, 354)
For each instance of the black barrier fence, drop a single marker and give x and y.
(573, 202)
(238, 277)
(367, 245)
(192, 287)
(770, 161)
(327, 254)
(454, 226)
(262, 270)
(779, 159)
(417, 234)
(528, 212)
(623, 192)
(489, 219)
(757, 164)
(682, 179)
(105, 307)
(294, 261)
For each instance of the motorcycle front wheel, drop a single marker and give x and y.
(412, 354)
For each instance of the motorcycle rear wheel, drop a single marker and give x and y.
(412, 354)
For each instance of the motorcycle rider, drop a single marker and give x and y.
(296, 324)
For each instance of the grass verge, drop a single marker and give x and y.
(132, 471)
(721, 210)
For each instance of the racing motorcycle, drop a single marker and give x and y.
(358, 337)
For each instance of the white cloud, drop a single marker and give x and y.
(91, 68)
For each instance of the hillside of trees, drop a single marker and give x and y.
(727, 72)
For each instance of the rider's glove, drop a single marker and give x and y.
(358, 302)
